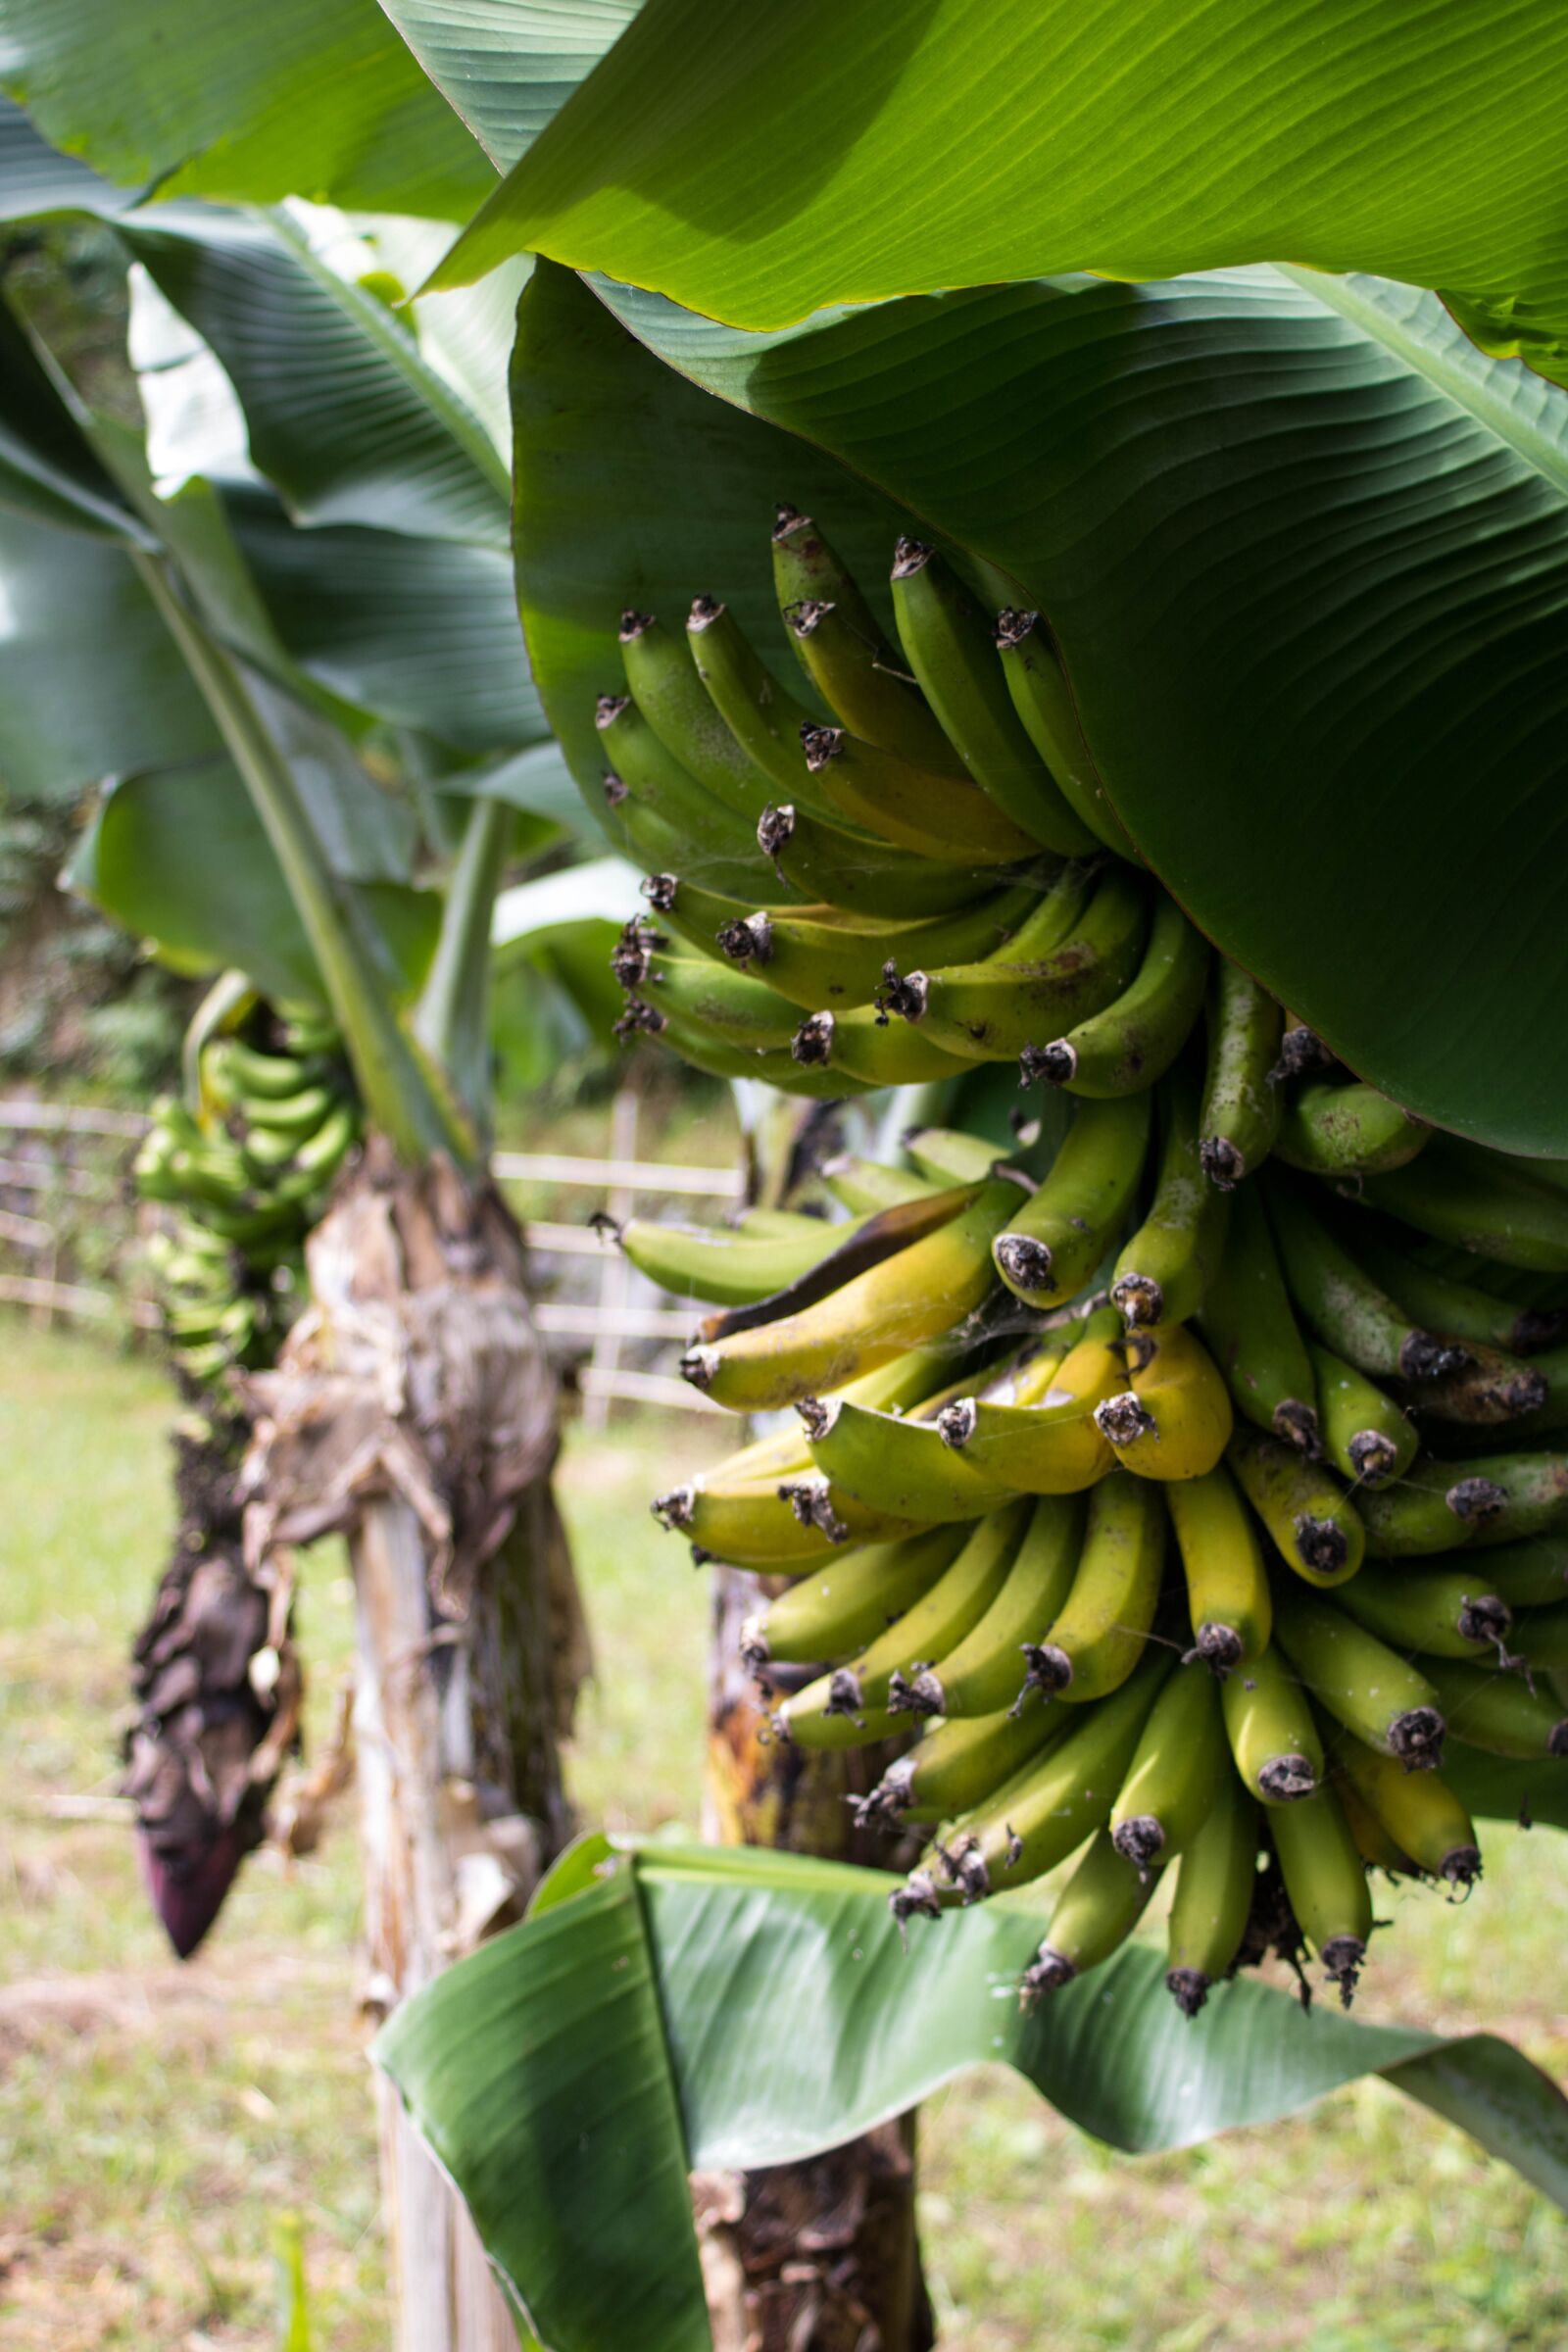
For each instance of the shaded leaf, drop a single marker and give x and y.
(179, 856)
(826, 152)
(791, 2019)
(1304, 551)
(305, 97)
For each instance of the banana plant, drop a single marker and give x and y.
(280, 620)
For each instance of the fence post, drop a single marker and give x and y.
(614, 1278)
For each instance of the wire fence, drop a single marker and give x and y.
(72, 1228)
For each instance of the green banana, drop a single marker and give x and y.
(1455, 1309)
(950, 1157)
(1317, 1529)
(1497, 1712)
(667, 691)
(1541, 1641)
(953, 654)
(1418, 1810)
(1326, 1881)
(1492, 1390)
(1214, 1884)
(1442, 1610)
(763, 717)
(1045, 1811)
(1240, 1112)
(935, 817)
(247, 1073)
(266, 1150)
(782, 1525)
(1346, 1307)
(984, 1672)
(729, 1002)
(1246, 1318)
(843, 651)
(960, 1764)
(1458, 1191)
(869, 1048)
(1100, 1634)
(1364, 1685)
(934, 1624)
(892, 1465)
(1166, 1267)
(820, 955)
(1096, 1912)
(1337, 1131)
(858, 1183)
(1529, 1575)
(1134, 1039)
(1058, 1239)
(721, 1057)
(1181, 1759)
(829, 865)
(1044, 702)
(653, 775)
(729, 1269)
(1495, 1498)
(998, 1009)
(849, 1600)
(1365, 1435)
(1273, 1734)
(1228, 1597)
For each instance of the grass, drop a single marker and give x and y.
(155, 2121)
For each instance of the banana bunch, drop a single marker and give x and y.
(245, 1176)
(1127, 1465)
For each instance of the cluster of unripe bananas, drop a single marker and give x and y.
(246, 1174)
(1128, 1473)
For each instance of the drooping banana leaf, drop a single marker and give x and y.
(1303, 548)
(316, 98)
(716, 2009)
(756, 162)
(507, 66)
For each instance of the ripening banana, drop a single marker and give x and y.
(1273, 1734)
(1175, 1420)
(1418, 1810)
(1096, 1912)
(907, 1299)
(1102, 1631)
(1364, 1685)
(846, 1602)
(1215, 1881)
(1457, 1310)
(1531, 1574)
(1165, 1269)
(1044, 1438)
(936, 817)
(962, 1763)
(984, 1669)
(1499, 1712)
(1317, 1530)
(1441, 1610)
(1241, 1110)
(1228, 1597)
(825, 1712)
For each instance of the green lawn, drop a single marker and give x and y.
(155, 2121)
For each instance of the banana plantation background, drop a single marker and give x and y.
(471, 792)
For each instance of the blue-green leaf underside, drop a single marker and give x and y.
(732, 2010)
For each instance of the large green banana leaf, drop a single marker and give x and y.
(177, 857)
(1305, 549)
(755, 163)
(715, 2009)
(507, 66)
(314, 98)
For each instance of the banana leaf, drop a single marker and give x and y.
(507, 69)
(1303, 548)
(843, 152)
(683, 2007)
(305, 97)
